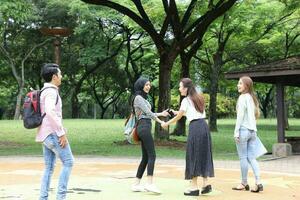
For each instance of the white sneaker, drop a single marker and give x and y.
(152, 188)
(137, 188)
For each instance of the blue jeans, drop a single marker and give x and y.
(51, 149)
(246, 149)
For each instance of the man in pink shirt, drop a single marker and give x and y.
(52, 134)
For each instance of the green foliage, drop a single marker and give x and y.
(4, 93)
(292, 101)
(17, 12)
(95, 26)
(225, 106)
(174, 103)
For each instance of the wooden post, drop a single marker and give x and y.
(280, 112)
(57, 32)
(56, 45)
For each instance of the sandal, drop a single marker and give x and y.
(259, 187)
(241, 187)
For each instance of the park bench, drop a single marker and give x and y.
(295, 142)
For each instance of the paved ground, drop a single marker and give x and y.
(98, 178)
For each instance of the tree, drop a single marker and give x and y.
(96, 41)
(177, 33)
(18, 19)
(227, 37)
(6, 90)
(107, 85)
(221, 34)
(265, 98)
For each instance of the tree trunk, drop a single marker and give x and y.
(265, 113)
(180, 128)
(20, 81)
(95, 111)
(2, 110)
(164, 92)
(103, 110)
(115, 108)
(213, 101)
(75, 106)
(214, 78)
(286, 111)
(264, 102)
(19, 101)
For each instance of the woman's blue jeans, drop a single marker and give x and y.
(51, 149)
(246, 148)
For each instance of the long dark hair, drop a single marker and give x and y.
(196, 98)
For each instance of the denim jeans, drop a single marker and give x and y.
(246, 150)
(51, 149)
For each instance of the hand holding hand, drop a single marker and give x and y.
(164, 125)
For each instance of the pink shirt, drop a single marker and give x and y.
(52, 122)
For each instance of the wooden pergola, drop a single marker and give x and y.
(282, 73)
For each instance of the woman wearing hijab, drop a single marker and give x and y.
(142, 109)
(199, 161)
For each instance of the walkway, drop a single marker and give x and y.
(102, 178)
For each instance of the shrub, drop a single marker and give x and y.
(225, 106)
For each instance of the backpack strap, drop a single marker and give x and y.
(47, 88)
(133, 108)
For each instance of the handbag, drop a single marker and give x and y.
(130, 131)
(260, 149)
(134, 137)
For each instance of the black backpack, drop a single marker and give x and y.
(32, 117)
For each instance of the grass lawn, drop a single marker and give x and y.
(99, 137)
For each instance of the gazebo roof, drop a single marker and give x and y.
(285, 71)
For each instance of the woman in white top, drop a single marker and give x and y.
(199, 160)
(245, 133)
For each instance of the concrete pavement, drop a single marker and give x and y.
(97, 178)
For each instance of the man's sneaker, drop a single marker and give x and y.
(137, 188)
(152, 188)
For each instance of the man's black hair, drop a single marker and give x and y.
(48, 70)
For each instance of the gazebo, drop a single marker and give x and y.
(285, 72)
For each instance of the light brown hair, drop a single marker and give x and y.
(248, 84)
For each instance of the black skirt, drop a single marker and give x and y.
(199, 160)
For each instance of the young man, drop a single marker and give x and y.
(52, 134)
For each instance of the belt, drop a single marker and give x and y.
(197, 119)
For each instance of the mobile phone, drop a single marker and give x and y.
(171, 113)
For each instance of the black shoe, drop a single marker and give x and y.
(246, 187)
(206, 189)
(192, 193)
(259, 188)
